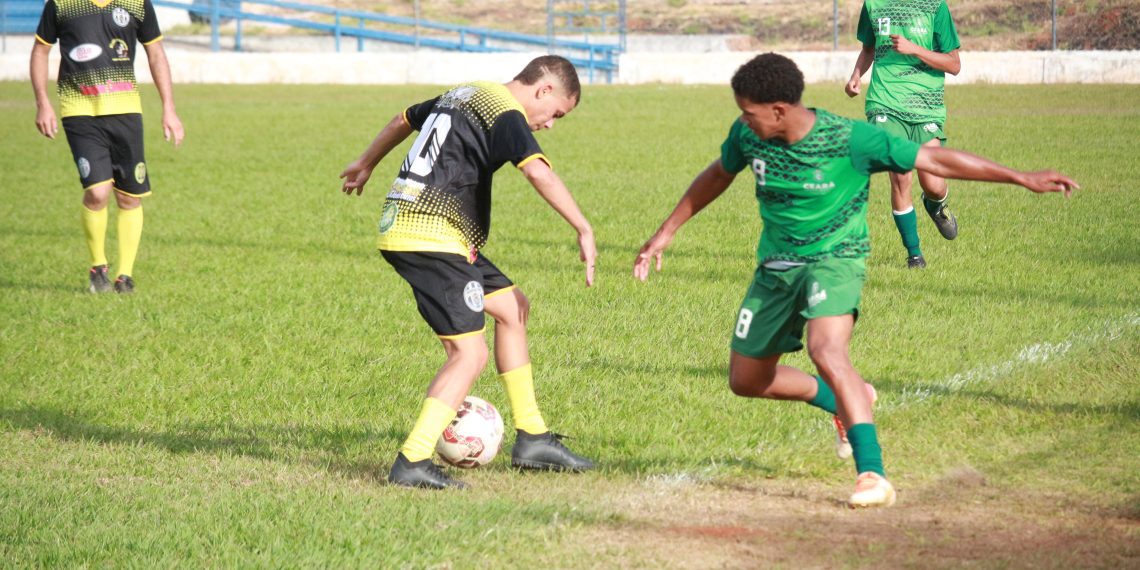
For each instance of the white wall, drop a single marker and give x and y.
(191, 66)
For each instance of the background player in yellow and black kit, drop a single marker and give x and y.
(434, 222)
(102, 114)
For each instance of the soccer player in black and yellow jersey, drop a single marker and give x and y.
(102, 115)
(435, 220)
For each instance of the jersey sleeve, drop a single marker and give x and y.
(874, 150)
(864, 32)
(46, 32)
(415, 115)
(945, 34)
(512, 141)
(731, 157)
(149, 32)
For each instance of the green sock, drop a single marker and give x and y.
(907, 223)
(933, 205)
(865, 447)
(824, 398)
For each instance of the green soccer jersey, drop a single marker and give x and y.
(902, 85)
(813, 193)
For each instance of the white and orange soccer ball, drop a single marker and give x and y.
(474, 436)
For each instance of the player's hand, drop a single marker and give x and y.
(1049, 181)
(172, 130)
(653, 249)
(45, 122)
(853, 87)
(903, 45)
(355, 176)
(588, 253)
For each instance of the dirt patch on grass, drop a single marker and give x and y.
(958, 521)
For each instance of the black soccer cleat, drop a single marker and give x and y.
(943, 218)
(99, 282)
(124, 284)
(915, 262)
(423, 474)
(545, 452)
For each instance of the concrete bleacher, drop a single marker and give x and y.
(20, 16)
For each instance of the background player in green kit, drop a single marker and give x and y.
(435, 220)
(913, 44)
(102, 114)
(812, 170)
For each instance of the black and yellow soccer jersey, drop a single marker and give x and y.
(97, 42)
(441, 199)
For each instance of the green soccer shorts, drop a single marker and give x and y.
(920, 133)
(779, 303)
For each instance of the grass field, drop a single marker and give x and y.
(242, 409)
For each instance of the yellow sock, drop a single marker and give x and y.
(433, 419)
(520, 390)
(130, 233)
(95, 228)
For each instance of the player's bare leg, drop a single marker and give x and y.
(934, 192)
(466, 358)
(829, 340)
(536, 447)
(766, 378)
(906, 221)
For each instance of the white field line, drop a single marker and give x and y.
(1032, 355)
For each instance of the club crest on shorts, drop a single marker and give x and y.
(473, 296)
(388, 217)
(140, 172)
(84, 167)
(121, 17)
(931, 127)
(880, 118)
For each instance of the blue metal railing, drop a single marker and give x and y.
(592, 57)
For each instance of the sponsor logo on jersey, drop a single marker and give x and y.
(406, 190)
(920, 30)
(389, 216)
(108, 87)
(931, 127)
(84, 52)
(84, 167)
(456, 96)
(817, 295)
(140, 172)
(819, 184)
(121, 17)
(120, 50)
(473, 296)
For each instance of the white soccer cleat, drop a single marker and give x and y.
(842, 446)
(872, 490)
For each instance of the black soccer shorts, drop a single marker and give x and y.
(449, 291)
(109, 148)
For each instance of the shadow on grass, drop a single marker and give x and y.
(269, 442)
(56, 287)
(1127, 410)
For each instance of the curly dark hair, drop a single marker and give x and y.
(769, 78)
(557, 66)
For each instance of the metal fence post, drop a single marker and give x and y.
(336, 29)
(1054, 25)
(835, 25)
(215, 22)
(237, 33)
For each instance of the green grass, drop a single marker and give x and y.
(243, 407)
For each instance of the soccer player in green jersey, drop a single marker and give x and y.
(913, 44)
(435, 220)
(812, 170)
(102, 114)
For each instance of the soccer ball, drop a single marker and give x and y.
(474, 436)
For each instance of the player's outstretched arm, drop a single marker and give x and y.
(357, 173)
(551, 188)
(160, 71)
(706, 187)
(45, 113)
(862, 64)
(950, 163)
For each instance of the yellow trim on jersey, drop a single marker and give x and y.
(459, 336)
(43, 41)
(111, 180)
(158, 39)
(404, 116)
(503, 290)
(532, 157)
(125, 193)
(103, 5)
